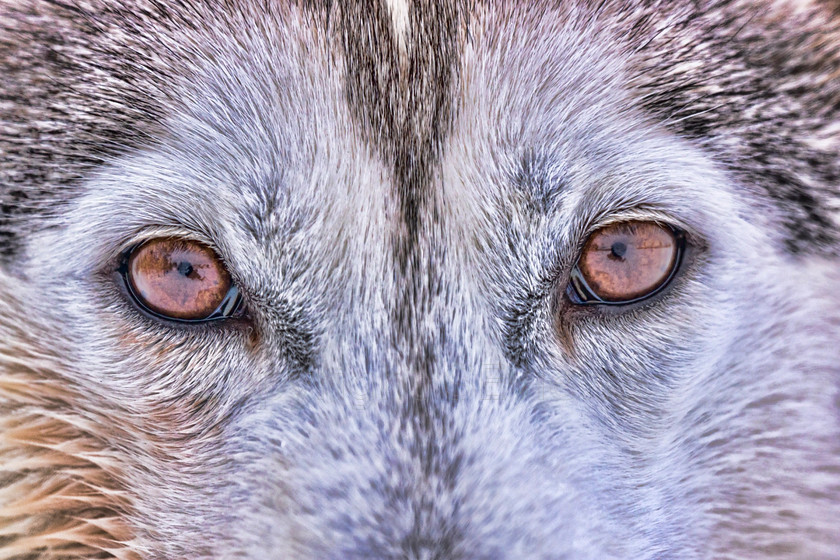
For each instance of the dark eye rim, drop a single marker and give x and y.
(230, 307)
(579, 293)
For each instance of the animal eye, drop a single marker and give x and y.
(181, 280)
(625, 262)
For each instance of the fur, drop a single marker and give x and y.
(400, 191)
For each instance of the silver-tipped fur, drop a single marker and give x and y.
(400, 190)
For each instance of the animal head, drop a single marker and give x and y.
(419, 279)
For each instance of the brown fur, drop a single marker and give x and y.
(60, 486)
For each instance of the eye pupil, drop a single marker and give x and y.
(185, 268)
(618, 249)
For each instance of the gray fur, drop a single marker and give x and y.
(401, 209)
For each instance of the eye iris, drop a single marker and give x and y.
(177, 278)
(627, 261)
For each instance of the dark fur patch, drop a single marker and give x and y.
(404, 103)
(764, 83)
(80, 85)
(405, 107)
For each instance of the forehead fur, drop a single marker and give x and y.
(752, 82)
(755, 84)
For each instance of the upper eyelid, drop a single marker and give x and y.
(639, 214)
(154, 232)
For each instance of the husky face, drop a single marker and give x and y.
(401, 195)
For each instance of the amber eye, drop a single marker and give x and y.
(180, 279)
(625, 262)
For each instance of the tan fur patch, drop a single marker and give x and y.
(59, 490)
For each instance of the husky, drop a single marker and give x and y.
(422, 280)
